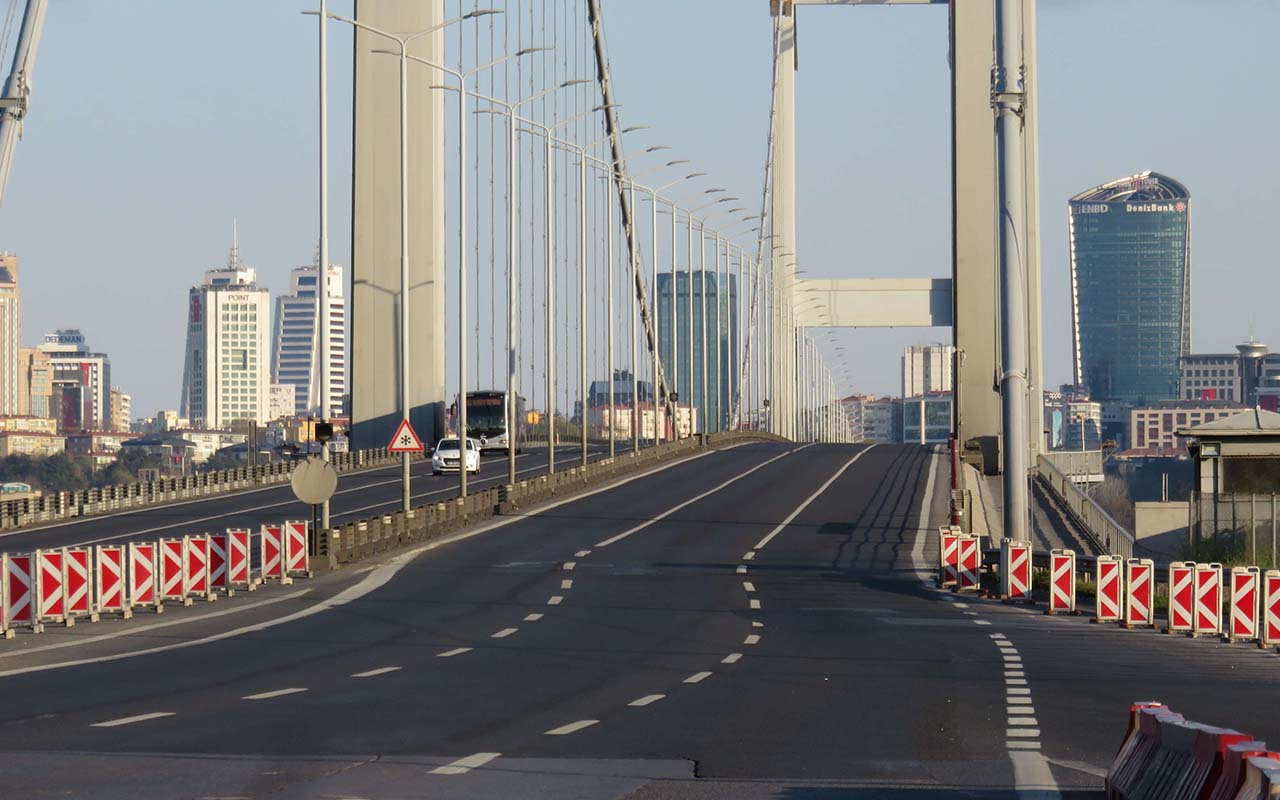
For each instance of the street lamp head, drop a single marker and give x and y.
(713, 191)
(528, 50)
(574, 82)
(631, 128)
(657, 147)
(482, 12)
(693, 175)
(677, 161)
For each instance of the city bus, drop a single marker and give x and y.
(487, 420)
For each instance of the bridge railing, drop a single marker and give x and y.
(1097, 523)
(58, 506)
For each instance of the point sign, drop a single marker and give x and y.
(405, 440)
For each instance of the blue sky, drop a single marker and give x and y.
(155, 123)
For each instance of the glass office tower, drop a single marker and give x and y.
(688, 379)
(1131, 287)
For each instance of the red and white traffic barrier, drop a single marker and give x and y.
(173, 571)
(970, 563)
(1207, 614)
(1062, 582)
(51, 601)
(109, 580)
(196, 565)
(238, 573)
(1232, 775)
(272, 547)
(1108, 575)
(1166, 756)
(1182, 596)
(218, 544)
(1270, 613)
(144, 571)
(1243, 623)
(948, 556)
(77, 582)
(1015, 570)
(297, 563)
(19, 580)
(1139, 595)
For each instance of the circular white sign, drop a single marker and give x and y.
(314, 481)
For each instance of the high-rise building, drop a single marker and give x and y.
(84, 380)
(293, 347)
(121, 410)
(10, 335)
(1131, 287)
(35, 375)
(722, 330)
(926, 369)
(226, 372)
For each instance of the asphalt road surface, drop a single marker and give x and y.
(748, 623)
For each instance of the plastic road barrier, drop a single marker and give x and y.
(173, 573)
(1108, 574)
(1139, 595)
(196, 566)
(272, 544)
(1062, 582)
(948, 556)
(1261, 779)
(52, 575)
(295, 549)
(78, 580)
(143, 569)
(238, 573)
(1015, 570)
(109, 580)
(18, 579)
(1270, 622)
(1208, 608)
(970, 560)
(1243, 623)
(1138, 749)
(218, 563)
(1231, 777)
(1182, 578)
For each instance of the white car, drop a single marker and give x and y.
(445, 457)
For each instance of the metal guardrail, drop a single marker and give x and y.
(59, 506)
(1106, 532)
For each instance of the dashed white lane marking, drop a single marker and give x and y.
(569, 565)
(752, 639)
(533, 618)
(555, 600)
(1016, 690)
(960, 605)
(755, 604)
(273, 694)
(697, 677)
(582, 554)
(1029, 722)
(1032, 776)
(692, 500)
(457, 651)
(572, 727)
(465, 765)
(1014, 711)
(566, 584)
(742, 569)
(115, 723)
(1016, 700)
(748, 586)
(1017, 745)
(760, 545)
(732, 658)
(749, 555)
(646, 700)
(1023, 733)
(504, 633)
(971, 613)
(981, 622)
(756, 624)
(371, 673)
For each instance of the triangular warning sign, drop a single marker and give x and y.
(405, 440)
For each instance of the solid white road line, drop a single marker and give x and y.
(373, 672)
(465, 765)
(692, 500)
(572, 727)
(782, 525)
(752, 639)
(533, 618)
(732, 658)
(457, 651)
(566, 584)
(923, 529)
(115, 723)
(646, 700)
(697, 677)
(273, 694)
(504, 633)
(555, 600)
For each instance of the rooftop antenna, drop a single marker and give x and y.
(233, 260)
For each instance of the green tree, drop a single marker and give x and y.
(60, 473)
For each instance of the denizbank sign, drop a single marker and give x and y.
(1132, 208)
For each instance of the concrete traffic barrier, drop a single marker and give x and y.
(173, 571)
(50, 578)
(1270, 612)
(970, 562)
(19, 580)
(1207, 615)
(1182, 596)
(144, 570)
(1062, 582)
(1108, 576)
(1139, 593)
(271, 544)
(948, 556)
(1231, 777)
(1242, 624)
(1015, 571)
(77, 584)
(110, 594)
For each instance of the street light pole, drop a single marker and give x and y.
(322, 279)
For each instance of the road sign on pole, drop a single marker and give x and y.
(405, 440)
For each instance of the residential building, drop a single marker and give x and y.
(1131, 287)
(926, 419)
(121, 410)
(598, 391)
(227, 365)
(855, 412)
(85, 380)
(29, 424)
(10, 335)
(1155, 427)
(882, 420)
(204, 443)
(294, 348)
(36, 379)
(102, 447)
(686, 354)
(13, 443)
(927, 369)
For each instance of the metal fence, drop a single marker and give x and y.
(1107, 533)
(1235, 527)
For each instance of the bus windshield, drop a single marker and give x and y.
(486, 415)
